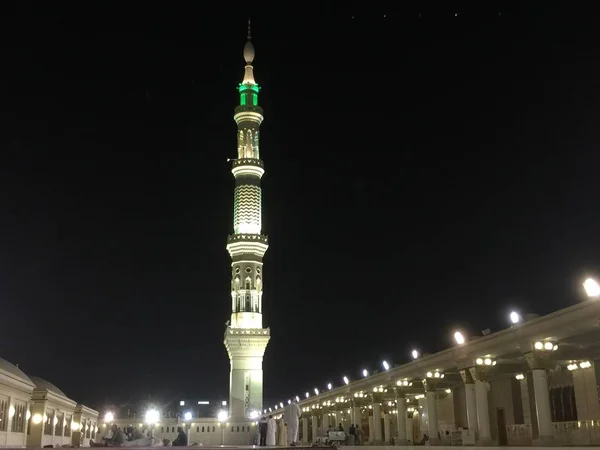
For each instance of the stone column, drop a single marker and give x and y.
(356, 416)
(470, 401)
(401, 439)
(376, 420)
(483, 410)
(387, 439)
(539, 361)
(480, 375)
(431, 384)
(338, 417)
(525, 401)
(432, 416)
(325, 413)
(542, 404)
(314, 422)
(305, 430)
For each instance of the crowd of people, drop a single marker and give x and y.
(135, 437)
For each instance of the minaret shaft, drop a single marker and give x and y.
(245, 337)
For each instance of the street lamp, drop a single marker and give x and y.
(187, 416)
(592, 288)
(346, 380)
(459, 338)
(109, 417)
(365, 373)
(386, 366)
(222, 417)
(415, 354)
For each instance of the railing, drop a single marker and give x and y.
(583, 432)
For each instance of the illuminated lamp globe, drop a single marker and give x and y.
(109, 417)
(592, 288)
(459, 338)
(37, 419)
(222, 416)
(152, 416)
(187, 416)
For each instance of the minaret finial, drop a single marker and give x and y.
(249, 29)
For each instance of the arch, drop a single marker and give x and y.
(258, 284)
(248, 283)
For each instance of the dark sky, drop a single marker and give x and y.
(423, 173)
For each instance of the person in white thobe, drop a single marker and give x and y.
(271, 431)
(292, 416)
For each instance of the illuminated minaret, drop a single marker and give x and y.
(245, 337)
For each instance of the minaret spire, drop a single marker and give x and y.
(249, 30)
(245, 338)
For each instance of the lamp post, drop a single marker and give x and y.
(222, 418)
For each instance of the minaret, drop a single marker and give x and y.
(245, 337)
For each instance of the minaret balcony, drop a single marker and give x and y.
(258, 238)
(247, 108)
(247, 162)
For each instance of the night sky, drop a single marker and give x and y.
(424, 171)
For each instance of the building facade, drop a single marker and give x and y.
(35, 413)
(245, 338)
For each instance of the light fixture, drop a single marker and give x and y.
(585, 365)
(448, 391)
(254, 414)
(152, 416)
(109, 417)
(402, 383)
(297, 398)
(281, 404)
(222, 416)
(546, 346)
(346, 380)
(307, 395)
(365, 373)
(182, 403)
(514, 317)
(459, 338)
(415, 354)
(37, 419)
(520, 376)
(592, 288)
(187, 416)
(385, 365)
(316, 391)
(329, 386)
(289, 402)
(436, 374)
(572, 367)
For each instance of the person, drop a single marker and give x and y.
(262, 429)
(116, 440)
(352, 435)
(271, 430)
(182, 438)
(292, 416)
(340, 427)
